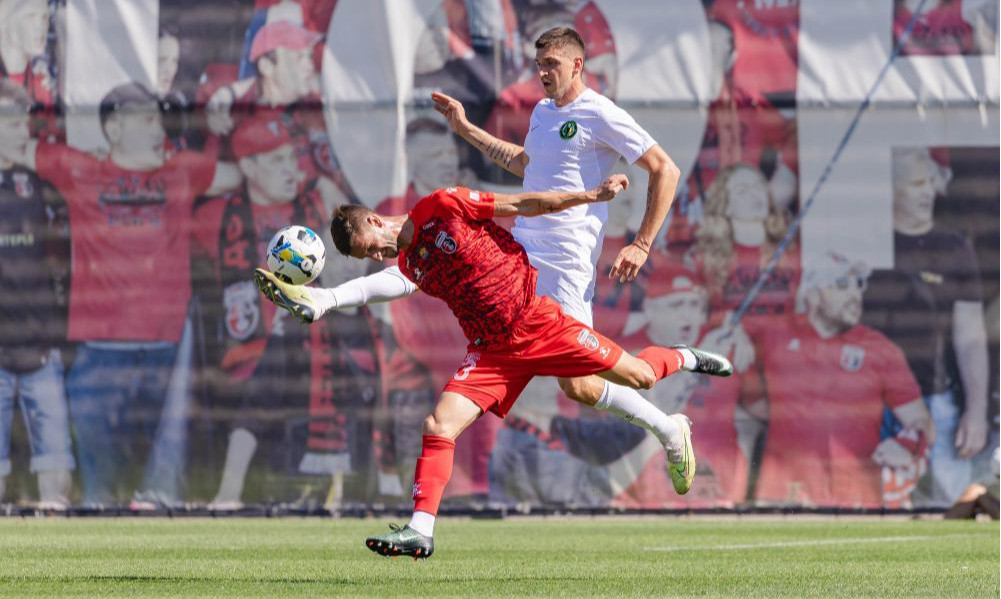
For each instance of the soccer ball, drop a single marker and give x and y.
(296, 255)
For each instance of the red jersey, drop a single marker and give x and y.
(459, 254)
(826, 399)
(131, 245)
(423, 325)
(766, 35)
(721, 476)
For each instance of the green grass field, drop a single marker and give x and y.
(539, 557)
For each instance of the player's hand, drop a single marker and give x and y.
(893, 454)
(611, 187)
(452, 110)
(217, 110)
(628, 263)
(971, 434)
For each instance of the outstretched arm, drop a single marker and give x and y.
(511, 157)
(664, 177)
(535, 203)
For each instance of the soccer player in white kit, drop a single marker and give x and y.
(575, 137)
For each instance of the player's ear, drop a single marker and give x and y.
(247, 166)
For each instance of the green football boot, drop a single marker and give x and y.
(294, 298)
(682, 471)
(402, 541)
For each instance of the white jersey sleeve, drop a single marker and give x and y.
(620, 131)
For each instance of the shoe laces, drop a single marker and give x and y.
(396, 527)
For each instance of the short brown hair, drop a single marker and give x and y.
(560, 37)
(345, 223)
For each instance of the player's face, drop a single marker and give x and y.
(168, 56)
(275, 174)
(371, 242)
(841, 301)
(914, 181)
(433, 161)
(748, 196)
(31, 27)
(557, 69)
(676, 317)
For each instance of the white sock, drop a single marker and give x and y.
(325, 299)
(423, 523)
(632, 407)
(689, 360)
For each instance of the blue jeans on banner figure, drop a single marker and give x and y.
(43, 405)
(117, 392)
(948, 474)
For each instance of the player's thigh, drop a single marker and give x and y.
(452, 414)
(631, 372)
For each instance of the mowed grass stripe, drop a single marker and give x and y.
(552, 557)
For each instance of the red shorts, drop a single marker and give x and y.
(547, 342)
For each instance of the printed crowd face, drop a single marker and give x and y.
(748, 195)
(14, 132)
(275, 175)
(290, 71)
(27, 31)
(168, 58)
(432, 161)
(676, 318)
(916, 177)
(137, 132)
(840, 302)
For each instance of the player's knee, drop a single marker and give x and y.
(574, 388)
(438, 427)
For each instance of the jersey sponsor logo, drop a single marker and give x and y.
(423, 253)
(474, 196)
(604, 351)
(416, 489)
(568, 130)
(451, 189)
(852, 357)
(468, 364)
(445, 243)
(243, 311)
(430, 224)
(588, 339)
(10, 240)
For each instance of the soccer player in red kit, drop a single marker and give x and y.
(450, 247)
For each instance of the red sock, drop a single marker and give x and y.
(664, 360)
(434, 468)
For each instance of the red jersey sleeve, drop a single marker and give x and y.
(455, 202)
(899, 385)
(56, 163)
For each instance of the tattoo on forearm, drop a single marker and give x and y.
(498, 151)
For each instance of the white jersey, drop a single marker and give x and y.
(573, 148)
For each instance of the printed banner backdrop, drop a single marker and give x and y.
(168, 141)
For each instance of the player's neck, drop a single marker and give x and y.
(576, 89)
(403, 227)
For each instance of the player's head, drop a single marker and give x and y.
(168, 51)
(676, 305)
(267, 158)
(830, 292)
(24, 29)
(559, 59)
(917, 180)
(15, 105)
(283, 54)
(131, 120)
(362, 233)
(432, 155)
